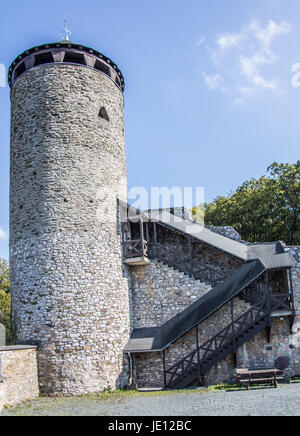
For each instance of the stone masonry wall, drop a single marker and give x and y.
(159, 293)
(70, 289)
(294, 251)
(256, 353)
(19, 369)
(259, 353)
(148, 367)
(211, 265)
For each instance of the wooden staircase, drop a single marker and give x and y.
(248, 282)
(226, 342)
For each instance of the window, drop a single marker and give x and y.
(102, 67)
(21, 68)
(74, 58)
(103, 114)
(43, 58)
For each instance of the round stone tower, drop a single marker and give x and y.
(70, 291)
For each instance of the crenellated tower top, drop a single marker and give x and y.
(65, 52)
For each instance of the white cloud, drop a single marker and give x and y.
(246, 60)
(267, 34)
(226, 41)
(214, 81)
(265, 84)
(252, 65)
(201, 41)
(244, 94)
(3, 235)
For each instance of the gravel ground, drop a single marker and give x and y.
(284, 401)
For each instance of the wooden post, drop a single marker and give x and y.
(147, 239)
(155, 239)
(124, 239)
(164, 364)
(198, 351)
(287, 286)
(268, 298)
(292, 290)
(147, 233)
(142, 235)
(233, 333)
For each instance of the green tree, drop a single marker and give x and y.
(4, 276)
(287, 197)
(262, 210)
(5, 300)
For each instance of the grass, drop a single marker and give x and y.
(46, 405)
(234, 387)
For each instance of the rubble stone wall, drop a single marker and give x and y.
(19, 369)
(70, 289)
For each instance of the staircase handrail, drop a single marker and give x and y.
(261, 312)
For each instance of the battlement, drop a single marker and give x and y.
(65, 52)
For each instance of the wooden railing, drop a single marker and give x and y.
(173, 257)
(280, 302)
(227, 340)
(235, 333)
(135, 248)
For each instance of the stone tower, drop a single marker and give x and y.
(70, 290)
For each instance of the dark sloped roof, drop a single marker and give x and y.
(258, 258)
(203, 234)
(271, 255)
(159, 338)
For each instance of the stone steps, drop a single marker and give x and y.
(190, 276)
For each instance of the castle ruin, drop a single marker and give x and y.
(152, 299)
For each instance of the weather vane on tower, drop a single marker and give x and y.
(66, 33)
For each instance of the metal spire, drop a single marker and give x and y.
(66, 33)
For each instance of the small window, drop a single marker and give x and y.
(118, 81)
(100, 66)
(103, 114)
(21, 68)
(74, 58)
(43, 58)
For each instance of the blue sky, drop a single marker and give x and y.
(209, 95)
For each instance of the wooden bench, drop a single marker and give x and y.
(259, 376)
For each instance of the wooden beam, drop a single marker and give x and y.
(124, 239)
(198, 350)
(147, 233)
(233, 331)
(142, 234)
(155, 238)
(292, 291)
(164, 365)
(268, 298)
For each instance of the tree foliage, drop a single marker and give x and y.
(5, 300)
(262, 210)
(4, 276)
